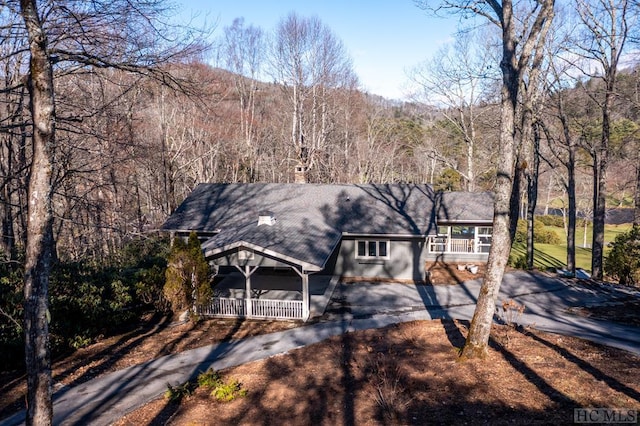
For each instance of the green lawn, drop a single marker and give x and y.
(552, 255)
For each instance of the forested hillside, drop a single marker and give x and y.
(129, 148)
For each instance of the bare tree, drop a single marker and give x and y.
(75, 36)
(38, 252)
(244, 49)
(524, 26)
(457, 79)
(605, 31)
(310, 63)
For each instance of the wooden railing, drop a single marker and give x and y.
(260, 308)
(451, 245)
(225, 307)
(278, 309)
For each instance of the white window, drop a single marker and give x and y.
(372, 249)
(484, 236)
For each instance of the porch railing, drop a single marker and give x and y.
(278, 309)
(260, 308)
(451, 245)
(225, 307)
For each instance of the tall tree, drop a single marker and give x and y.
(458, 79)
(310, 62)
(38, 252)
(244, 49)
(604, 34)
(523, 26)
(76, 36)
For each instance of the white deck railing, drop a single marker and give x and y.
(225, 307)
(260, 308)
(451, 245)
(278, 309)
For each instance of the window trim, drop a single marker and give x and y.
(367, 246)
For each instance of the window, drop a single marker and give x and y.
(443, 231)
(372, 249)
(485, 234)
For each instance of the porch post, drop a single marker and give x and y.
(247, 271)
(305, 296)
(247, 290)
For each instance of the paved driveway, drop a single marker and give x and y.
(546, 300)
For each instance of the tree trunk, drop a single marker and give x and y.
(476, 345)
(571, 194)
(38, 253)
(532, 195)
(513, 68)
(636, 199)
(599, 187)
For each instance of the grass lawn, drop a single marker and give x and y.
(554, 255)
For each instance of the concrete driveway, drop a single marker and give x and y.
(547, 300)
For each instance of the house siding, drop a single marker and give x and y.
(406, 260)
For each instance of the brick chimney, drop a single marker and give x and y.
(300, 174)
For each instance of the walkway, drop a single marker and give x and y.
(362, 306)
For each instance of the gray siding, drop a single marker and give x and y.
(406, 260)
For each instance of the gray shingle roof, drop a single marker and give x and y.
(311, 218)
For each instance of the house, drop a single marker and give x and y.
(353, 231)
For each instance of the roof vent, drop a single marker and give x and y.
(267, 218)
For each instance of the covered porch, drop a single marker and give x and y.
(458, 239)
(270, 293)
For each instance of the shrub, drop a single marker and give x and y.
(227, 392)
(552, 220)
(87, 299)
(518, 262)
(220, 390)
(187, 275)
(176, 393)
(11, 303)
(209, 379)
(541, 235)
(623, 261)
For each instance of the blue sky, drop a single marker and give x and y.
(385, 38)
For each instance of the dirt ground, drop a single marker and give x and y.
(404, 374)
(152, 338)
(410, 374)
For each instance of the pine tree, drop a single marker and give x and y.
(187, 282)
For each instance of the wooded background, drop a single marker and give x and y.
(129, 148)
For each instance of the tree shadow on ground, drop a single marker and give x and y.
(171, 407)
(372, 375)
(104, 360)
(586, 366)
(532, 376)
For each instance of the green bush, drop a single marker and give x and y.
(541, 235)
(86, 299)
(187, 280)
(551, 220)
(11, 302)
(176, 393)
(623, 261)
(227, 392)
